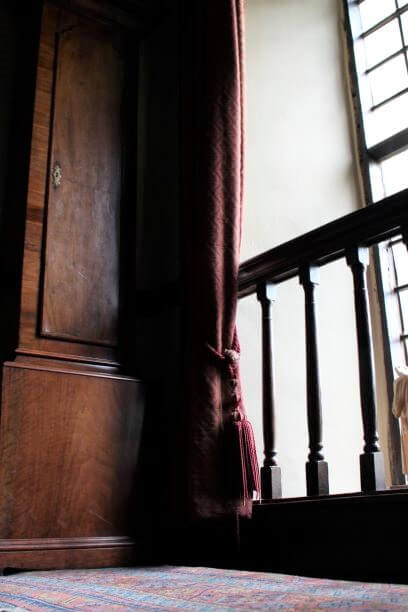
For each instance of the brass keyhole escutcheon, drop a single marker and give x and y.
(56, 175)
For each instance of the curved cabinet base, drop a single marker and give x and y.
(66, 553)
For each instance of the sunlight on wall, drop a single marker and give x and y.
(299, 175)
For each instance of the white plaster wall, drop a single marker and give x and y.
(300, 173)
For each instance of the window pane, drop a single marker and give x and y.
(395, 173)
(404, 22)
(372, 11)
(402, 2)
(401, 262)
(388, 79)
(387, 120)
(382, 43)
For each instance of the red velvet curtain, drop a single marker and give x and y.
(219, 447)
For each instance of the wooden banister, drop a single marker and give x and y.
(271, 484)
(371, 461)
(347, 237)
(329, 242)
(317, 473)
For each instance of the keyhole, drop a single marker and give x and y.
(56, 175)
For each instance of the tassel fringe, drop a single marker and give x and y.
(251, 461)
(242, 478)
(243, 472)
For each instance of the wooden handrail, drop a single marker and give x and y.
(327, 243)
(348, 237)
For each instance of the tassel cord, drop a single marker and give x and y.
(241, 432)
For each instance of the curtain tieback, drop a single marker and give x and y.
(239, 435)
(229, 362)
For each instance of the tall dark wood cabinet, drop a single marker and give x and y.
(72, 409)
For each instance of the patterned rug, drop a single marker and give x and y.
(190, 588)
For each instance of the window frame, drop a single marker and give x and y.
(398, 142)
(369, 159)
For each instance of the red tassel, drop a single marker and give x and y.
(243, 471)
(251, 460)
(242, 477)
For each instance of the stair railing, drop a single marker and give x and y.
(348, 237)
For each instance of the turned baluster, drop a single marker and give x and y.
(317, 473)
(271, 483)
(372, 460)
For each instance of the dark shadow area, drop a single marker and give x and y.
(353, 537)
(18, 59)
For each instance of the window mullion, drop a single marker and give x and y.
(402, 36)
(389, 99)
(398, 12)
(403, 49)
(394, 144)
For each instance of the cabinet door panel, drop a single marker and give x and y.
(81, 272)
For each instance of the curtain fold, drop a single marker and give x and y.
(221, 469)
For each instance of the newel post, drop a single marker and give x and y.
(317, 471)
(271, 482)
(372, 460)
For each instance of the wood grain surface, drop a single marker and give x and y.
(69, 446)
(68, 558)
(81, 289)
(82, 238)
